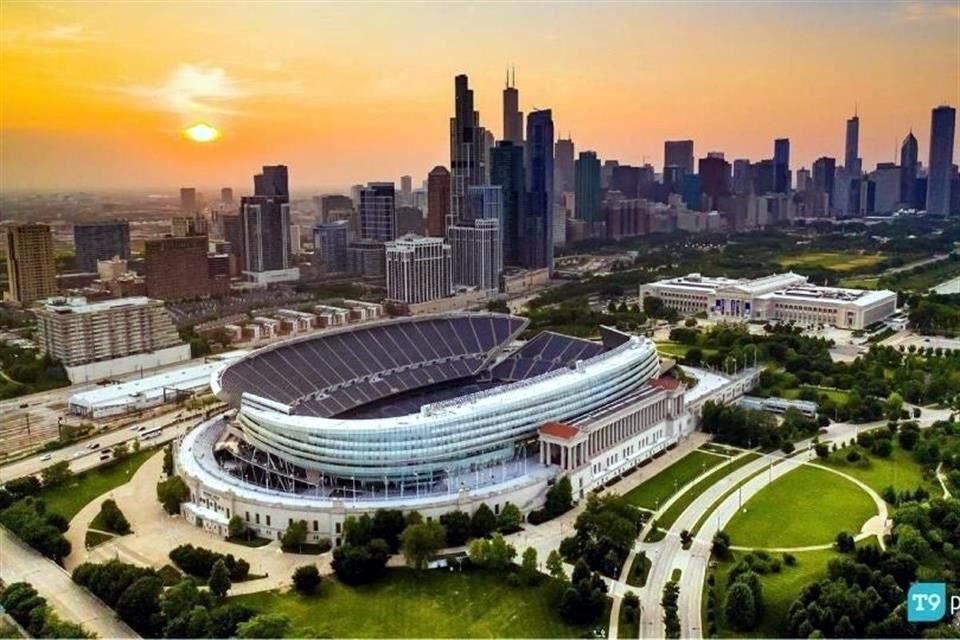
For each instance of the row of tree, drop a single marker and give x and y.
(32, 612)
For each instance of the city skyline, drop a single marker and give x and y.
(339, 111)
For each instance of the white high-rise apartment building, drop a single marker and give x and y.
(418, 269)
(477, 253)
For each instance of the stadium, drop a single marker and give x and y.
(433, 413)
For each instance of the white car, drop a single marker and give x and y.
(45, 457)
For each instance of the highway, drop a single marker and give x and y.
(82, 457)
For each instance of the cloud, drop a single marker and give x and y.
(193, 90)
(929, 10)
(67, 33)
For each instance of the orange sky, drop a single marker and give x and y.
(95, 94)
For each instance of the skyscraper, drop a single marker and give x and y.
(940, 170)
(714, 177)
(678, 153)
(507, 172)
(377, 203)
(587, 194)
(330, 240)
(512, 116)
(484, 203)
(781, 165)
(406, 190)
(564, 180)
(188, 200)
(265, 224)
(31, 270)
(273, 181)
(538, 230)
(824, 176)
(476, 253)
(100, 241)
(851, 156)
(909, 152)
(438, 201)
(466, 147)
(418, 269)
(226, 196)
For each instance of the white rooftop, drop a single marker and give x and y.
(80, 304)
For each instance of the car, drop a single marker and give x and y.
(94, 445)
(46, 457)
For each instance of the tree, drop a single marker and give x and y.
(421, 541)
(893, 405)
(845, 542)
(172, 492)
(168, 460)
(457, 525)
(356, 564)
(112, 518)
(560, 497)
(56, 474)
(483, 522)
(555, 566)
(295, 536)
(306, 579)
(721, 544)
(237, 527)
(822, 450)
(388, 524)
(501, 553)
(498, 306)
(509, 519)
(740, 608)
(528, 566)
(219, 582)
(139, 602)
(264, 625)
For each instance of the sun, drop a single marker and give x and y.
(201, 132)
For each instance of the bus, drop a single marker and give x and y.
(150, 434)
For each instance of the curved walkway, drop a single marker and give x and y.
(155, 533)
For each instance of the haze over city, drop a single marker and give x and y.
(343, 93)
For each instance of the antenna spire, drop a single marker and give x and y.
(514, 76)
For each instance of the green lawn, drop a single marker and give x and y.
(807, 506)
(432, 604)
(836, 260)
(94, 538)
(899, 470)
(678, 350)
(655, 491)
(639, 570)
(779, 591)
(69, 498)
(861, 282)
(839, 397)
(680, 505)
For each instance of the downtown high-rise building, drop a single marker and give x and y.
(188, 200)
(176, 268)
(418, 269)
(940, 169)
(94, 241)
(563, 166)
(377, 210)
(714, 173)
(477, 256)
(537, 239)
(484, 202)
(909, 157)
(678, 153)
(265, 227)
(31, 269)
(824, 177)
(781, 165)
(507, 172)
(851, 155)
(587, 193)
(406, 191)
(512, 116)
(226, 197)
(438, 201)
(467, 141)
(330, 242)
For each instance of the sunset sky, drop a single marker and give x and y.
(95, 95)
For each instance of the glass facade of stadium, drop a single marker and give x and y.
(453, 438)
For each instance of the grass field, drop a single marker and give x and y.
(656, 490)
(680, 505)
(69, 498)
(860, 282)
(835, 260)
(779, 591)
(678, 350)
(92, 539)
(899, 470)
(432, 604)
(807, 506)
(839, 397)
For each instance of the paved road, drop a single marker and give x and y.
(20, 562)
(82, 457)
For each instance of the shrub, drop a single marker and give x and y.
(306, 579)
